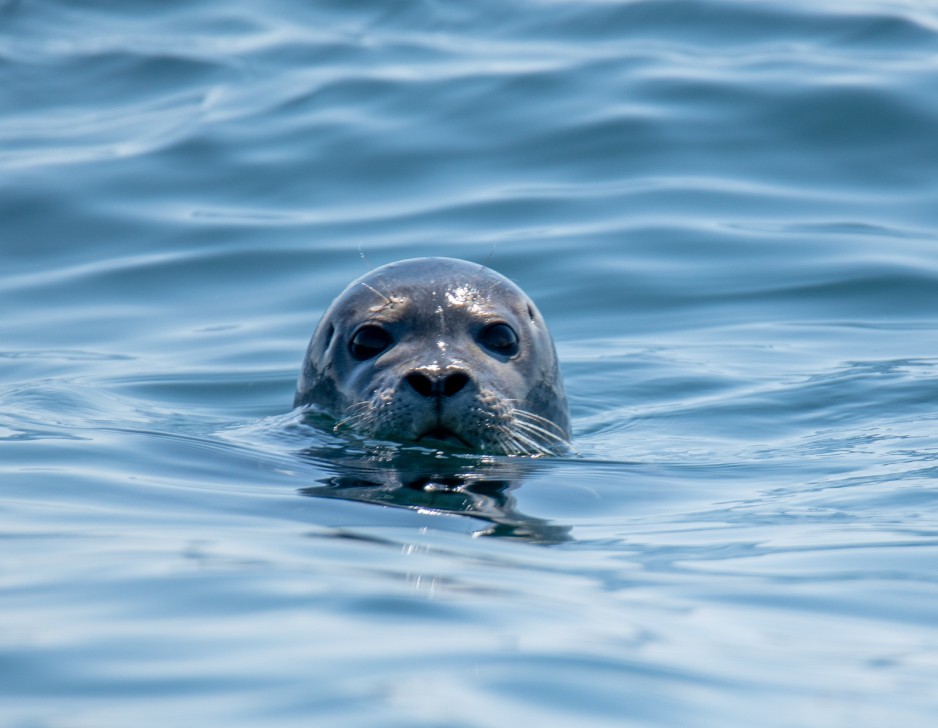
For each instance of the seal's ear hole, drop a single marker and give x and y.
(530, 311)
(329, 334)
(500, 339)
(369, 341)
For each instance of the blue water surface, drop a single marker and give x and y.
(726, 210)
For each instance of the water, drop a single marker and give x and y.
(725, 210)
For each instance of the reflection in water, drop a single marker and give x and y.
(412, 478)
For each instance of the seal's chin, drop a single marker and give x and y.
(444, 437)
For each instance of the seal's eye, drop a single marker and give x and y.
(368, 342)
(500, 339)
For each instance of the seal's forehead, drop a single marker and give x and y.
(432, 284)
(406, 299)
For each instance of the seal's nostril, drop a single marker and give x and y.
(445, 386)
(421, 383)
(454, 383)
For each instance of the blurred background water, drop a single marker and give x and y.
(726, 211)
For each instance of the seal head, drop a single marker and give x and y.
(441, 352)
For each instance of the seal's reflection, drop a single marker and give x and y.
(480, 488)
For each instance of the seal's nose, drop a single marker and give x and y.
(445, 385)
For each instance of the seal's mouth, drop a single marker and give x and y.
(445, 437)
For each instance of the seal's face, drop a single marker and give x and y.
(438, 351)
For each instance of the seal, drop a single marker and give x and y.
(439, 352)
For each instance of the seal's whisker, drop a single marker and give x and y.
(513, 447)
(357, 413)
(522, 443)
(507, 445)
(535, 437)
(532, 427)
(347, 422)
(528, 413)
(540, 420)
(503, 437)
(387, 299)
(497, 436)
(525, 439)
(519, 437)
(547, 441)
(539, 437)
(358, 409)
